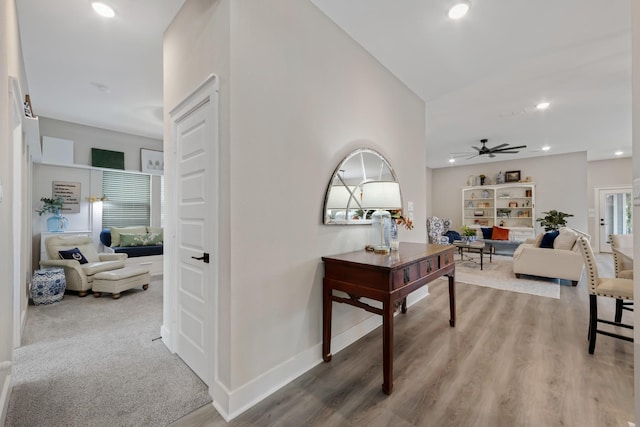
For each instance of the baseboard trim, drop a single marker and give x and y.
(4, 399)
(165, 333)
(230, 404)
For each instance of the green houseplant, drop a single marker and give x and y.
(553, 220)
(467, 233)
(51, 205)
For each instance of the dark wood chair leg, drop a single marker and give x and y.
(593, 322)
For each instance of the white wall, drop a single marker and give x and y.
(561, 184)
(297, 95)
(635, 123)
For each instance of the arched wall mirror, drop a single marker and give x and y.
(362, 183)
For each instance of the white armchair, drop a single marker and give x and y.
(80, 276)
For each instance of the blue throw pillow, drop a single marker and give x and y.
(452, 235)
(486, 232)
(73, 254)
(548, 238)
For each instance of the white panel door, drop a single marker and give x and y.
(615, 208)
(195, 149)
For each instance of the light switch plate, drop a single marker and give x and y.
(410, 206)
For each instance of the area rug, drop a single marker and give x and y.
(498, 274)
(97, 362)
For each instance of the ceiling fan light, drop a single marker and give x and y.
(543, 106)
(103, 9)
(459, 9)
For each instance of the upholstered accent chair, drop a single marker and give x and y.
(623, 267)
(611, 287)
(79, 276)
(436, 227)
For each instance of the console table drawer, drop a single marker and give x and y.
(418, 270)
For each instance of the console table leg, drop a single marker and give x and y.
(387, 347)
(452, 300)
(327, 303)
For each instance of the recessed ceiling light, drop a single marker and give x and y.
(452, 160)
(546, 148)
(619, 153)
(459, 9)
(103, 9)
(543, 106)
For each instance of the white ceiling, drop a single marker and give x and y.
(87, 69)
(480, 76)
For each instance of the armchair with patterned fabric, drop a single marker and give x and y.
(436, 229)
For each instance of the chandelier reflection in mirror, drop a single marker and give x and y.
(361, 184)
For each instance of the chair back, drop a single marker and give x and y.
(589, 264)
(621, 241)
(436, 227)
(64, 243)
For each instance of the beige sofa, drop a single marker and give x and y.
(79, 277)
(564, 261)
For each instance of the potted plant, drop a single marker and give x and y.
(56, 222)
(51, 205)
(468, 233)
(553, 220)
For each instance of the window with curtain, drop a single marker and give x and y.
(129, 201)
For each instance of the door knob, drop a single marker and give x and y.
(204, 257)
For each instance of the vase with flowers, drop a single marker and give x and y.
(56, 222)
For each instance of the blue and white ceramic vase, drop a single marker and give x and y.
(57, 223)
(48, 286)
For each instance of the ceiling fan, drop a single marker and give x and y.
(498, 149)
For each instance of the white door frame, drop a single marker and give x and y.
(596, 200)
(207, 91)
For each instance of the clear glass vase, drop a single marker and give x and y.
(57, 223)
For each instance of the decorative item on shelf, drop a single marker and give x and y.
(553, 220)
(482, 178)
(486, 194)
(500, 178)
(527, 193)
(504, 195)
(56, 222)
(512, 176)
(470, 204)
(501, 223)
(527, 179)
(471, 180)
(28, 109)
(513, 204)
(478, 213)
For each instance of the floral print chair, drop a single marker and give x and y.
(436, 227)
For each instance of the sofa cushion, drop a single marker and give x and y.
(499, 233)
(139, 239)
(487, 232)
(548, 238)
(157, 230)
(566, 239)
(73, 254)
(116, 231)
(538, 240)
(96, 267)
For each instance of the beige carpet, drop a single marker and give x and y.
(96, 362)
(499, 275)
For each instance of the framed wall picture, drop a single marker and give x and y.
(107, 159)
(152, 161)
(512, 176)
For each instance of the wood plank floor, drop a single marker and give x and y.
(512, 360)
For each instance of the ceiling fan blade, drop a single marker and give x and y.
(471, 157)
(473, 146)
(505, 152)
(497, 147)
(509, 148)
(491, 155)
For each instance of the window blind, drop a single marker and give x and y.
(129, 201)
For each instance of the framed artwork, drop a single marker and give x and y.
(512, 176)
(152, 161)
(107, 159)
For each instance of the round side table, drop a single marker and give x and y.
(47, 286)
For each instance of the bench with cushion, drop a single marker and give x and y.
(142, 244)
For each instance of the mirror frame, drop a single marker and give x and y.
(326, 219)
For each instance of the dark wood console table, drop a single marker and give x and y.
(388, 279)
